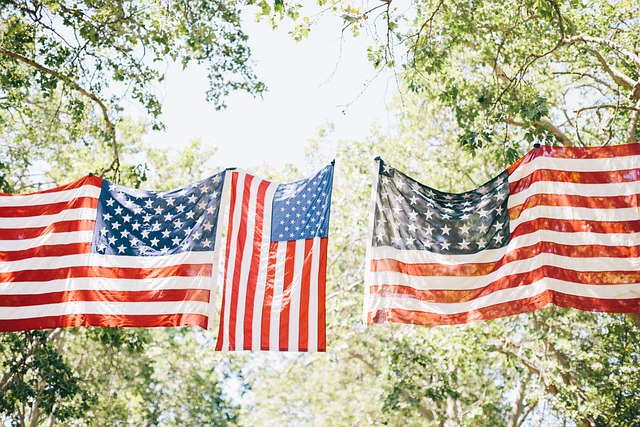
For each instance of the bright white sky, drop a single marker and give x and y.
(302, 95)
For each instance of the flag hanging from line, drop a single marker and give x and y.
(93, 253)
(275, 265)
(560, 226)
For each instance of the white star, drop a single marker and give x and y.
(158, 210)
(446, 229)
(216, 179)
(110, 202)
(147, 217)
(190, 214)
(428, 214)
(445, 245)
(210, 210)
(464, 244)
(481, 243)
(446, 216)
(498, 225)
(412, 228)
(413, 199)
(409, 240)
(483, 213)
(156, 226)
(106, 217)
(165, 234)
(121, 248)
(201, 205)
(134, 241)
(380, 235)
(176, 241)
(464, 229)
(192, 198)
(164, 250)
(104, 231)
(135, 226)
(206, 243)
(143, 249)
(178, 224)
(145, 234)
(413, 215)
(499, 210)
(137, 210)
(397, 240)
(208, 226)
(116, 225)
(498, 238)
(118, 210)
(125, 233)
(112, 240)
(167, 217)
(126, 218)
(386, 168)
(148, 204)
(102, 247)
(483, 228)
(170, 201)
(429, 229)
(154, 241)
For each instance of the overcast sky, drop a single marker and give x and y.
(309, 83)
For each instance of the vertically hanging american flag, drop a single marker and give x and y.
(93, 253)
(560, 226)
(276, 254)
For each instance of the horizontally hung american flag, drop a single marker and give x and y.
(93, 253)
(560, 226)
(276, 254)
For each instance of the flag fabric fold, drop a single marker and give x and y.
(93, 253)
(275, 264)
(560, 226)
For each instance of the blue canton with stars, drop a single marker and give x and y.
(301, 208)
(150, 223)
(410, 215)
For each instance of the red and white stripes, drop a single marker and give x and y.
(575, 242)
(274, 292)
(49, 278)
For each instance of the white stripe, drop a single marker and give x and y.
(516, 267)
(47, 239)
(493, 255)
(245, 265)
(575, 165)
(375, 302)
(104, 284)
(313, 295)
(231, 256)
(104, 308)
(110, 261)
(52, 197)
(46, 220)
(263, 265)
(294, 297)
(276, 304)
(559, 189)
(576, 213)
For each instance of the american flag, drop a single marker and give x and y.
(276, 253)
(560, 226)
(93, 253)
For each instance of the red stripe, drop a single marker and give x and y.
(520, 306)
(265, 333)
(548, 175)
(181, 270)
(526, 252)
(105, 296)
(56, 227)
(613, 202)
(603, 278)
(305, 291)
(103, 320)
(48, 209)
(322, 278)
(252, 280)
(605, 152)
(241, 241)
(93, 180)
(287, 288)
(232, 203)
(576, 226)
(46, 251)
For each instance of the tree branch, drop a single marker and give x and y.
(110, 126)
(617, 76)
(548, 126)
(611, 44)
(631, 132)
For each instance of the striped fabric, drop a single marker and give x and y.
(574, 241)
(66, 261)
(274, 281)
